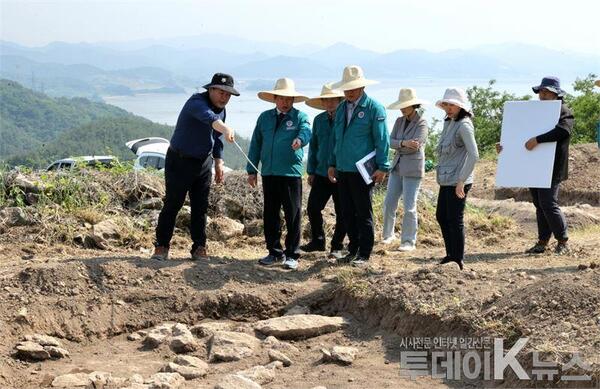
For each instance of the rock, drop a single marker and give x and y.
(100, 379)
(203, 330)
(32, 351)
(254, 228)
(158, 335)
(76, 380)
(183, 344)
(234, 381)
(187, 372)
(231, 346)
(326, 355)
(275, 365)
(223, 228)
(319, 387)
(104, 232)
(259, 374)
(25, 184)
(180, 329)
(22, 314)
(299, 326)
(15, 217)
(184, 217)
(151, 203)
(187, 360)
(56, 352)
(275, 355)
(330, 278)
(165, 381)
(43, 340)
(134, 337)
(274, 343)
(582, 267)
(345, 355)
(297, 310)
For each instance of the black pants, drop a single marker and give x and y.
(550, 219)
(450, 216)
(286, 192)
(182, 176)
(357, 209)
(322, 189)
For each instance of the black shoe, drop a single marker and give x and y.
(459, 262)
(271, 260)
(312, 246)
(539, 248)
(347, 259)
(562, 248)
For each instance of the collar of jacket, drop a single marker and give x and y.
(275, 112)
(362, 102)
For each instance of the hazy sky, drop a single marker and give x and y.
(380, 25)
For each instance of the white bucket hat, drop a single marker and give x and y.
(456, 96)
(406, 98)
(353, 78)
(283, 87)
(326, 93)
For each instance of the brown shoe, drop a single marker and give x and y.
(161, 253)
(200, 254)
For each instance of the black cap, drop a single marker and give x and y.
(223, 81)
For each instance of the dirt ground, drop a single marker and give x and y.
(92, 299)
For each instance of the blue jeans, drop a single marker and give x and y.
(408, 189)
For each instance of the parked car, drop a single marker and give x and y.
(151, 152)
(106, 161)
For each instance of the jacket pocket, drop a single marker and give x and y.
(445, 174)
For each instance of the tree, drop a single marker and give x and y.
(586, 109)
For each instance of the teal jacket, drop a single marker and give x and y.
(272, 147)
(367, 131)
(321, 145)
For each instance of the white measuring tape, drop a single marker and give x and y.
(246, 156)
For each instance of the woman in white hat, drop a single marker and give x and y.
(320, 148)
(457, 154)
(277, 142)
(408, 139)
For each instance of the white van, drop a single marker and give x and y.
(151, 152)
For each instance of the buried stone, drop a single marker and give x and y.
(300, 326)
(229, 346)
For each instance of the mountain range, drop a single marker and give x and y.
(167, 65)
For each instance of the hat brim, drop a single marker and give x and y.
(559, 92)
(317, 102)
(597, 83)
(454, 102)
(226, 88)
(403, 104)
(355, 84)
(269, 96)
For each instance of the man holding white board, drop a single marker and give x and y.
(550, 219)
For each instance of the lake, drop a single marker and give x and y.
(243, 111)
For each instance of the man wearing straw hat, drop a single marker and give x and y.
(194, 146)
(360, 128)
(319, 150)
(277, 142)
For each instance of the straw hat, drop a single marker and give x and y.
(353, 78)
(326, 93)
(283, 87)
(597, 83)
(457, 97)
(406, 98)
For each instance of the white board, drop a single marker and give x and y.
(517, 166)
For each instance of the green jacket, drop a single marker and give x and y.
(367, 131)
(321, 145)
(272, 147)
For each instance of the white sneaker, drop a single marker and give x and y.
(335, 254)
(389, 240)
(406, 246)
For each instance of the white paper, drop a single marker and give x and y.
(366, 167)
(517, 166)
